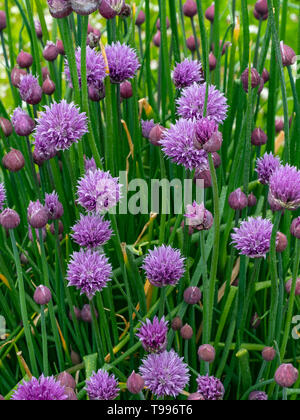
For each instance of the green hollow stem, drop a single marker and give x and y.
(23, 305)
(44, 342)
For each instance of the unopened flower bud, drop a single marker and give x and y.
(48, 87)
(157, 39)
(14, 160)
(261, 10)
(288, 287)
(288, 55)
(141, 18)
(60, 228)
(70, 393)
(42, 295)
(156, 135)
(255, 79)
(207, 353)
(295, 228)
(23, 124)
(9, 219)
(167, 23)
(50, 52)
(252, 200)
(210, 13)
(38, 29)
(75, 358)
(24, 60)
(85, 7)
(214, 143)
(45, 73)
(77, 313)
(60, 8)
(125, 12)
(37, 215)
(190, 8)
(176, 324)
(86, 314)
(16, 75)
(269, 354)
(286, 375)
(192, 295)
(2, 20)
(191, 43)
(279, 125)
(106, 11)
(238, 200)
(6, 126)
(24, 259)
(135, 383)
(187, 332)
(205, 176)
(217, 160)
(265, 75)
(212, 62)
(258, 137)
(258, 396)
(67, 380)
(282, 242)
(126, 90)
(60, 47)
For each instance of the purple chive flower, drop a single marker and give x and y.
(2, 196)
(153, 335)
(164, 266)
(285, 188)
(37, 215)
(90, 165)
(102, 387)
(165, 374)
(204, 130)
(30, 90)
(258, 396)
(253, 237)
(59, 127)
(191, 103)
(178, 143)
(210, 388)
(186, 73)
(265, 166)
(89, 271)
(42, 389)
(54, 206)
(98, 191)
(147, 126)
(23, 124)
(198, 217)
(91, 231)
(122, 62)
(95, 68)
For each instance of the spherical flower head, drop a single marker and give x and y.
(98, 191)
(164, 266)
(192, 101)
(204, 130)
(258, 396)
(60, 126)
(23, 124)
(286, 375)
(165, 374)
(153, 335)
(91, 231)
(265, 166)
(122, 62)
(42, 389)
(253, 237)
(95, 68)
(30, 90)
(147, 126)
(198, 217)
(186, 73)
(37, 215)
(210, 388)
(54, 206)
(89, 271)
(285, 187)
(102, 387)
(90, 165)
(178, 143)
(2, 196)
